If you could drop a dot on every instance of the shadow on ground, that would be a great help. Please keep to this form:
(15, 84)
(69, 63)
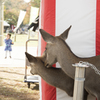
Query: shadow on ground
(12, 86)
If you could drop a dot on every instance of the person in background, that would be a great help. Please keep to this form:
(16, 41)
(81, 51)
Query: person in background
(8, 43)
(35, 24)
(7, 31)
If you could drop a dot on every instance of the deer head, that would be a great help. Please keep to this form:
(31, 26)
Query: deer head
(58, 50)
(35, 62)
(51, 75)
(53, 45)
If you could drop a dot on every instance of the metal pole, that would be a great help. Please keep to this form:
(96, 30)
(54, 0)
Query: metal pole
(1, 21)
(28, 34)
(15, 36)
(79, 81)
(25, 77)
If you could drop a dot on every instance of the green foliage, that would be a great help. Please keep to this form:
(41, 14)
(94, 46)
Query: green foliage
(36, 3)
(11, 17)
(13, 7)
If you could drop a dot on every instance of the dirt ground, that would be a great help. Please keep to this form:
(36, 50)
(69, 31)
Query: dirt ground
(12, 86)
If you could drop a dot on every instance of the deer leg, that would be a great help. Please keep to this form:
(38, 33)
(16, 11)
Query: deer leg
(85, 95)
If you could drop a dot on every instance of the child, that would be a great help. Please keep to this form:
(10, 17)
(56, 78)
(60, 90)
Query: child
(8, 43)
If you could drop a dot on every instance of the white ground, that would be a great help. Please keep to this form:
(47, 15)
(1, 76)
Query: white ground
(18, 56)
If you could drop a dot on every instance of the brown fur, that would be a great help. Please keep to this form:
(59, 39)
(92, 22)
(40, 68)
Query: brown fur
(53, 76)
(58, 51)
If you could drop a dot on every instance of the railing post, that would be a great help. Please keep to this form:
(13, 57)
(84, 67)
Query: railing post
(79, 81)
(1, 21)
(25, 77)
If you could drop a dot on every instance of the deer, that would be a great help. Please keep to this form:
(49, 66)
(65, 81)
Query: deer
(53, 76)
(57, 50)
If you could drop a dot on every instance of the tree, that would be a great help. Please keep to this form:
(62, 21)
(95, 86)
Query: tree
(11, 17)
(36, 3)
(13, 7)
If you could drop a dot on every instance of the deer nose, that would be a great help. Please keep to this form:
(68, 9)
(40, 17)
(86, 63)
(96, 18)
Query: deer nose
(47, 65)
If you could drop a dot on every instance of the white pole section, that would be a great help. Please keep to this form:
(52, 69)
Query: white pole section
(79, 81)
(1, 22)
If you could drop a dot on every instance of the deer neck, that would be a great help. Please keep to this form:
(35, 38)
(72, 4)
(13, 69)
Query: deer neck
(48, 74)
(66, 58)
(44, 72)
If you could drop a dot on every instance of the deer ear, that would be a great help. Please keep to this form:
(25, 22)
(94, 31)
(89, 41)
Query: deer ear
(30, 58)
(64, 35)
(47, 37)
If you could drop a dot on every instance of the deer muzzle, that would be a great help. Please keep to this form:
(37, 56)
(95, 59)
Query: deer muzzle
(47, 65)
